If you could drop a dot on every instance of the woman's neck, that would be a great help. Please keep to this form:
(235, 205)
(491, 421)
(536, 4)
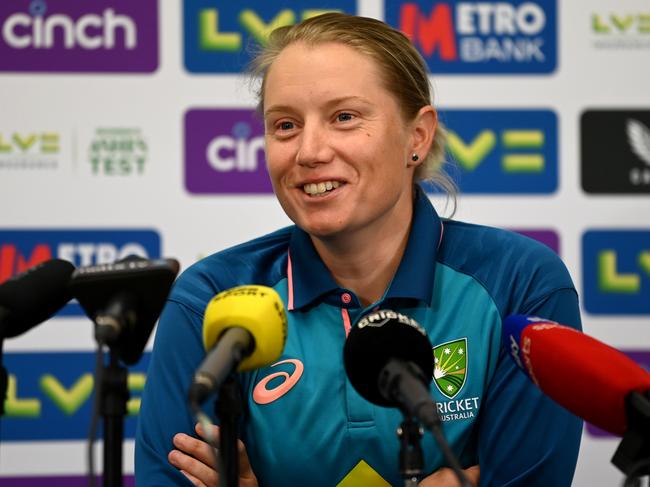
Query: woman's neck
(366, 261)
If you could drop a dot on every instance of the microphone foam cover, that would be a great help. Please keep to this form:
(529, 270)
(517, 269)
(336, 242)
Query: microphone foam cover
(34, 296)
(585, 376)
(257, 309)
(377, 338)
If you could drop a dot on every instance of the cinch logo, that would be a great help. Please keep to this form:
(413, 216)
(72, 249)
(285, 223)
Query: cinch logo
(66, 35)
(641, 357)
(29, 150)
(516, 36)
(218, 35)
(224, 152)
(616, 268)
(621, 30)
(50, 395)
(21, 249)
(503, 151)
(615, 151)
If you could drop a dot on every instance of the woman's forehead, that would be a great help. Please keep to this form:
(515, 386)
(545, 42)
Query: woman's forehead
(323, 68)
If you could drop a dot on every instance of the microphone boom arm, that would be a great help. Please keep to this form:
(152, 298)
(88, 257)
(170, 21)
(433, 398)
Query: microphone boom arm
(398, 376)
(232, 347)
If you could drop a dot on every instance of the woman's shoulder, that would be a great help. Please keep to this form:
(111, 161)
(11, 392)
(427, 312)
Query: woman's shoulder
(509, 265)
(486, 240)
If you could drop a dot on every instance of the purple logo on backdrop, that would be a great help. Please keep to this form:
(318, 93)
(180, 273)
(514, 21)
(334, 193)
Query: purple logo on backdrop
(78, 36)
(641, 357)
(548, 237)
(52, 481)
(224, 152)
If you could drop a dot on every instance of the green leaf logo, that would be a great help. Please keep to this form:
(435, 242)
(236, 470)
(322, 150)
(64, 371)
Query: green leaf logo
(450, 366)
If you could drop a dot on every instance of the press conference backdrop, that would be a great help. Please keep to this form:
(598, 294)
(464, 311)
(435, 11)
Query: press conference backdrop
(127, 128)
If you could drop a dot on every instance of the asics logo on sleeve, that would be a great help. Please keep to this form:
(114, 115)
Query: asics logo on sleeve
(263, 395)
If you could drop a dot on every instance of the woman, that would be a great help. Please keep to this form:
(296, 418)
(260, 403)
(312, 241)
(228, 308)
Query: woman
(350, 130)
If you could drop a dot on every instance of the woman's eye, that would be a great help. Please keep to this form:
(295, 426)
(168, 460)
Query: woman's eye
(285, 125)
(344, 117)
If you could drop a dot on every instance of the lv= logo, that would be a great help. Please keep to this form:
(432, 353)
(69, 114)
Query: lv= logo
(610, 280)
(472, 153)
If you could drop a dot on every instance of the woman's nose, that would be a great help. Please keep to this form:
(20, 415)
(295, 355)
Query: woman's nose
(314, 147)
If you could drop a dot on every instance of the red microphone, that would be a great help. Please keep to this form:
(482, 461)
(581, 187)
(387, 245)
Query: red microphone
(582, 374)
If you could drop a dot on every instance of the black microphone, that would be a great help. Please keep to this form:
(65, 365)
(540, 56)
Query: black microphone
(124, 299)
(389, 361)
(29, 298)
(33, 296)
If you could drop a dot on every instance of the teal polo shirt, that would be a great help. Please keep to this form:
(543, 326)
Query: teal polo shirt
(304, 424)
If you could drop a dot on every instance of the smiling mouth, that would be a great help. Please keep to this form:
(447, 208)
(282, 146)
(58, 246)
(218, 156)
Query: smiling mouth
(321, 189)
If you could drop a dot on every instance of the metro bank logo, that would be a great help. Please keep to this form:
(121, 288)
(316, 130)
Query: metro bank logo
(224, 152)
(218, 36)
(503, 151)
(479, 37)
(21, 249)
(78, 36)
(616, 271)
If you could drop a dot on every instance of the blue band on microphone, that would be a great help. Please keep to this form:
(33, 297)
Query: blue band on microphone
(513, 326)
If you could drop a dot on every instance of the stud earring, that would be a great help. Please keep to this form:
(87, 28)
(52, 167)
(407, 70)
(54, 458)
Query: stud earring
(415, 157)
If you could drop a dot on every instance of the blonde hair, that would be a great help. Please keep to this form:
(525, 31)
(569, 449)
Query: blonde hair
(403, 70)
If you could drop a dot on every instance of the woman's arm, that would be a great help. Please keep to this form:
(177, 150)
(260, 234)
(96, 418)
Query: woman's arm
(164, 411)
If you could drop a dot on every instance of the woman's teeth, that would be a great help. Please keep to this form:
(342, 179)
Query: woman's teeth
(317, 189)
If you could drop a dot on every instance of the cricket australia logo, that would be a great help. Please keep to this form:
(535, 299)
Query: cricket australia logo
(450, 367)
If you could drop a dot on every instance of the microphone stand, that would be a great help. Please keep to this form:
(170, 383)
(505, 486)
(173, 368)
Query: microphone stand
(114, 396)
(632, 457)
(411, 457)
(114, 391)
(228, 408)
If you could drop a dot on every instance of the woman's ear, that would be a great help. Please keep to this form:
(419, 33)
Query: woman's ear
(423, 130)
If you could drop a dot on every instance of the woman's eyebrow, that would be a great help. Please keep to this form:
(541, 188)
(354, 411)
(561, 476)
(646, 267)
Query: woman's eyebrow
(343, 99)
(329, 103)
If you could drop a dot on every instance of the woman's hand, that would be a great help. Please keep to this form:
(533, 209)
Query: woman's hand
(445, 477)
(195, 460)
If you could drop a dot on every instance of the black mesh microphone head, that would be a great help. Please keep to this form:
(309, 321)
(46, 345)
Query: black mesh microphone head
(377, 338)
(31, 297)
(142, 284)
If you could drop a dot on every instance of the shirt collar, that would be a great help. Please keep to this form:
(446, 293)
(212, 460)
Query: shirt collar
(310, 280)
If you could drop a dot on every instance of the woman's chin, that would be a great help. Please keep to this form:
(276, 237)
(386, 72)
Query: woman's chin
(323, 229)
